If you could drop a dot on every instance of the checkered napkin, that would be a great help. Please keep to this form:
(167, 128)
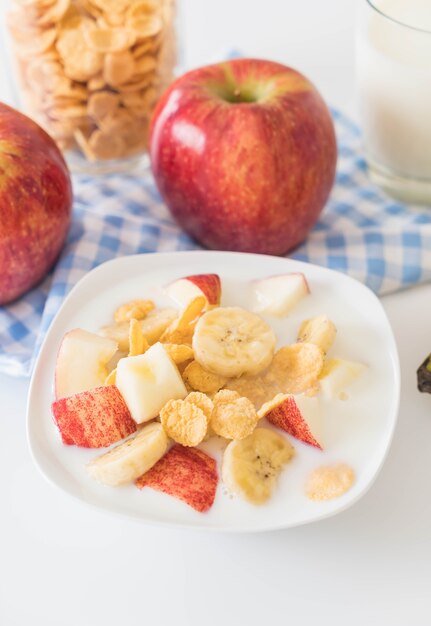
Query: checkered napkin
(361, 232)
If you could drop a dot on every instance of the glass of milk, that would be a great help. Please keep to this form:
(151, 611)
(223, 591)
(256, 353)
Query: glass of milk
(394, 85)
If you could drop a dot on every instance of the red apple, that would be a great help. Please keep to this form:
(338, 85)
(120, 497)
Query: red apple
(184, 473)
(35, 203)
(82, 362)
(278, 295)
(93, 419)
(299, 416)
(244, 155)
(184, 290)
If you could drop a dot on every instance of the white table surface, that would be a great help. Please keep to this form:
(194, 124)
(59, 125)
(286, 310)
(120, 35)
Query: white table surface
(63, 564)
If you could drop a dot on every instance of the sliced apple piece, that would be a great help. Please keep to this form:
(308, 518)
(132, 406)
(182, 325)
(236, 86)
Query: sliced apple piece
(93, 419)
(186, 289)
(82, 362)
(152, 327)
(336, 376)
(148, 381)
(184, 473)
(278, 295)
(298, 415)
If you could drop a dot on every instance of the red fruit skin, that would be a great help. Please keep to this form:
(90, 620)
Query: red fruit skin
(246, 176)
(184, 473)
(289, 418)
(209, 284)
(35, 203)
(93, 419)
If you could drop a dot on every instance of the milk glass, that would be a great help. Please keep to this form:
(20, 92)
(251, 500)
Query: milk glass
(394, 87)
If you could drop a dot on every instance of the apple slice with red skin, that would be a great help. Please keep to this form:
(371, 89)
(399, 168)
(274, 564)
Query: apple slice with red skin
(81, 362)
(244, 155)
(278, 295)
(93, 419)
(298, 416)
(184, 290)
(184, 473)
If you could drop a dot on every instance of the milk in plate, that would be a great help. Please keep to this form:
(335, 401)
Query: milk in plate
(394, 80)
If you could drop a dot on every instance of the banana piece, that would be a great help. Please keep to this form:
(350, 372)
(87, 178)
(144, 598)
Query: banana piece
(132, 458)
(318, 330)
(251, 466)
(231, 341)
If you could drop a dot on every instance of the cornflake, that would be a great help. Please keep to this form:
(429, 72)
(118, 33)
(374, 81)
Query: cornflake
(54, 13)
(179, 353)
(296, 368)
(143, 8)
(330, 481)
(138, 344)
(105, 146)
(111, 6)
(119, 68)
(258, 389)
(101, 104)
(181, 330)
(184, 421)
(200, 379)
(202, 402)
(145, 26)
(135, 309)
(233, 416)
(80, 63)
(109, 39)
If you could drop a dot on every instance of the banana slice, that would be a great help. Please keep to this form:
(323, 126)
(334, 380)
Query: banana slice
(132, 458)
(318, 330)
(251, 466)
(231, 341)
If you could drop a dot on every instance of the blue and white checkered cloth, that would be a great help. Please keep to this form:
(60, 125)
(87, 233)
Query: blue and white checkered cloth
(361, 232)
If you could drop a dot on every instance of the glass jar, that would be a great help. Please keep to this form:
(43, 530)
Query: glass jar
(91, 71)
(394, 89)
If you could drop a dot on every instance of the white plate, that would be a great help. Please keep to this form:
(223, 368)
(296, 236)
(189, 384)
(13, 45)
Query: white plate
(358, 430)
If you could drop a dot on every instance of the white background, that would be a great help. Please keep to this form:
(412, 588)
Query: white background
(62, 564)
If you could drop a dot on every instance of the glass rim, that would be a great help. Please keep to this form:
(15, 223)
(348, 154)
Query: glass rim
(371, 3)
